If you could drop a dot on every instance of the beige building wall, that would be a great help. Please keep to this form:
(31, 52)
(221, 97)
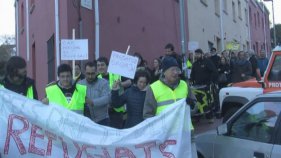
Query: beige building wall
(204, 22)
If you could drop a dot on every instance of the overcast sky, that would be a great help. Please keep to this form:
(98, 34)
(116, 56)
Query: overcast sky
(7, 15)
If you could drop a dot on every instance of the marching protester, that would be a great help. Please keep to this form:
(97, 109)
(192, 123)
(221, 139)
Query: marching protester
(156, 71)
(170, 51)
(115, 114)
(203, 75)
(65, 92)
(241, 68)
(16, 78)
(254, 63)
(166, 91)
(203, 70)
(78, 73)
(168, 84)
(262, 62)
(224, 71)
(98, 95)
(214, 57)
(133, 97)
(142, 63)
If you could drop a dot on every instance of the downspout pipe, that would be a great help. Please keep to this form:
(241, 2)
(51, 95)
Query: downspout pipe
(17, 26)
(97, 30)
(27, 30)
(221, 25)
(57, 34)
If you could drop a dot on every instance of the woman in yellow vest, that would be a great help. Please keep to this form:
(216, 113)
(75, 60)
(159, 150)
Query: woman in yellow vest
(65, 93)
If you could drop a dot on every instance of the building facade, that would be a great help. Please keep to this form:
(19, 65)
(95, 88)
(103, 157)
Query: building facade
(147, 26)
(260, 27)
(217, 23)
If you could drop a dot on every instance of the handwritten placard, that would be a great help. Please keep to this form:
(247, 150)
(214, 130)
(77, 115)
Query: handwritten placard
(74, 49)
(122, 64)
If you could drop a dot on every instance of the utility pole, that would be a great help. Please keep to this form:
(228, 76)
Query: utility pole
(182, 27)
(274, 31)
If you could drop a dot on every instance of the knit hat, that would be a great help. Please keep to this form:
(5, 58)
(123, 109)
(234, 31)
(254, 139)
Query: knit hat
(168, 62)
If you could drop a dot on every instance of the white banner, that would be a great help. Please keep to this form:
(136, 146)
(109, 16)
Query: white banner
(122, 64)
(74, 49)
(30, 129)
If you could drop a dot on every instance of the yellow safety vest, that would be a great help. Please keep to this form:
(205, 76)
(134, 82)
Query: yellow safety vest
(165, 96)
(29, 93)
(55, 95)
(189, 64)
(112, 79)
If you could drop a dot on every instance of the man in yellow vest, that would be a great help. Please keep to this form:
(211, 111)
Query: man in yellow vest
(16, 79)
(65, 92)
(167, 90)
(115, 114)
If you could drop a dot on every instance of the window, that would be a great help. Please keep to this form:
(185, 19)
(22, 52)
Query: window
(224, 6)
(275, 73)
(246, 17)
(51, 59)
(233, 12)
(22, 16)
(257, 123)
(33, 51)
(217, 7)
(258, 17)
(239, 10)
(210, 45)
(204, 2)
(32, 6)
(255, 19)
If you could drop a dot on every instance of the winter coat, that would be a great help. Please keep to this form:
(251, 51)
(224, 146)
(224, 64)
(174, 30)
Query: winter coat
(241, 67)
(133, 97)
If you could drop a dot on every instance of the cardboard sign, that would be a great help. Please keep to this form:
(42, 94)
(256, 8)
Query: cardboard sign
(32, 129)
(74, 49)
(233, 46)
(122, 64)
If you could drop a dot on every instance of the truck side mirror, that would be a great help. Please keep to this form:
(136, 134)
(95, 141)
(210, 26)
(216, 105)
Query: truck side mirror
(222, 129)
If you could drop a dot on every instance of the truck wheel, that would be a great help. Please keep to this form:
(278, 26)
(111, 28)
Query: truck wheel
(229, 113)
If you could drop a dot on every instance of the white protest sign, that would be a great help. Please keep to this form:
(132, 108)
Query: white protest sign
(74, 49)
(122, 64)
(31, 129)
(193, 45)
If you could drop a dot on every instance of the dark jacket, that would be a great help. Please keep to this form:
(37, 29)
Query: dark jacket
(21, 89)
(262, 64)
(203, 72)
(241, 67)
(216, 60)
(133, 97)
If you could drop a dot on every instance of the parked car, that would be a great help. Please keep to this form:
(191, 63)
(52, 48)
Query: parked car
(254, 131)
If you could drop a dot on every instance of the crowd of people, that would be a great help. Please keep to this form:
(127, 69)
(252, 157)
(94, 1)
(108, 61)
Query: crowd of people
(112, 100)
